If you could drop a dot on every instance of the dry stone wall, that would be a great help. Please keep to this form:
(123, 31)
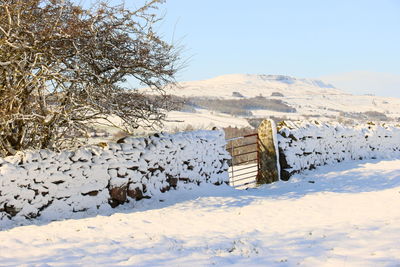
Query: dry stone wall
(56, 185)
(305, 145)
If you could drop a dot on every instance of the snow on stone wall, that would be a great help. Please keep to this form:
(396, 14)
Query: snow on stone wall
(56, 185)
(305, 145)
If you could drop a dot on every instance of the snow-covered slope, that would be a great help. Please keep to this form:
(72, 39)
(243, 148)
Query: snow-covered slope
(202, 119)
(309, 97)
(250, 85)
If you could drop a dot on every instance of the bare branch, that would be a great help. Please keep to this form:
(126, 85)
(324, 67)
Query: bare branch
(61, 70)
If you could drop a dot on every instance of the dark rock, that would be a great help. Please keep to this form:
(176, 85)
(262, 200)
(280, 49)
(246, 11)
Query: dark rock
(45, 206)
(91, 193)
(190, 168)
(173, 182)
(291, 136)
(80, 210)
(117, 195)
(135, 193)
(11, 210)
(152, 170)
(32, 215)
(113, 203)
(121, 140)
(186, 180)
(165, 189)
(285, 175)
(58, 182)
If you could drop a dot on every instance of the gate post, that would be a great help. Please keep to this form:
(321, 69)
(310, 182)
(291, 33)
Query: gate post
(268, 160)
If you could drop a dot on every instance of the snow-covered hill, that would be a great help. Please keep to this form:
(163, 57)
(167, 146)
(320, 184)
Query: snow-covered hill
(309, 97)
(250, 85)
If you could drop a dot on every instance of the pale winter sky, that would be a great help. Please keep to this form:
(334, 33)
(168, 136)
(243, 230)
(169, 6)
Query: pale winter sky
(353, 43)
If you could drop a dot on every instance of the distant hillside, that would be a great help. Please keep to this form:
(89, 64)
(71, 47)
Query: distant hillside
(283, 97)
(249, 85)
(243, 100)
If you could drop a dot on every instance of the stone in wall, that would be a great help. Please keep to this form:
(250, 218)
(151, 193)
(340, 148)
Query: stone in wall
(268, 171)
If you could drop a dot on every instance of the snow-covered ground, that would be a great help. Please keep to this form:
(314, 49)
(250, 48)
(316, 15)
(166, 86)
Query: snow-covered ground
(344, 215)
(202, 119)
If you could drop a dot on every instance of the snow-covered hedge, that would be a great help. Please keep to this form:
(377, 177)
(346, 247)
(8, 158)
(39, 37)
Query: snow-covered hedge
(55, 185)
(305, 145)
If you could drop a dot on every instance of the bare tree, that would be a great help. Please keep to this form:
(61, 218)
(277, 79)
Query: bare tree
(63, 68)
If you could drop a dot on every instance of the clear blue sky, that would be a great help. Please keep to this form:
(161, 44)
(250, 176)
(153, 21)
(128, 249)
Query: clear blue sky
(307, 38)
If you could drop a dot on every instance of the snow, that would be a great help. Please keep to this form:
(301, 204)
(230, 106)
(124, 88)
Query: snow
(341, 215)
(309, 97)
(202, 119)
(308, 144)
(87, 180)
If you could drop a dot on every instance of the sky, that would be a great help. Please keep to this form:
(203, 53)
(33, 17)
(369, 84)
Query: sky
(307, 39)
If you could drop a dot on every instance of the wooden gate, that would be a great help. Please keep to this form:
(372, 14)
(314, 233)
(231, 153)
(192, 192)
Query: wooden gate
(245, 163)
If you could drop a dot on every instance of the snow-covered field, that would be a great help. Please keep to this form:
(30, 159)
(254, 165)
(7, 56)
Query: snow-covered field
(202, 119)
(344, 215)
